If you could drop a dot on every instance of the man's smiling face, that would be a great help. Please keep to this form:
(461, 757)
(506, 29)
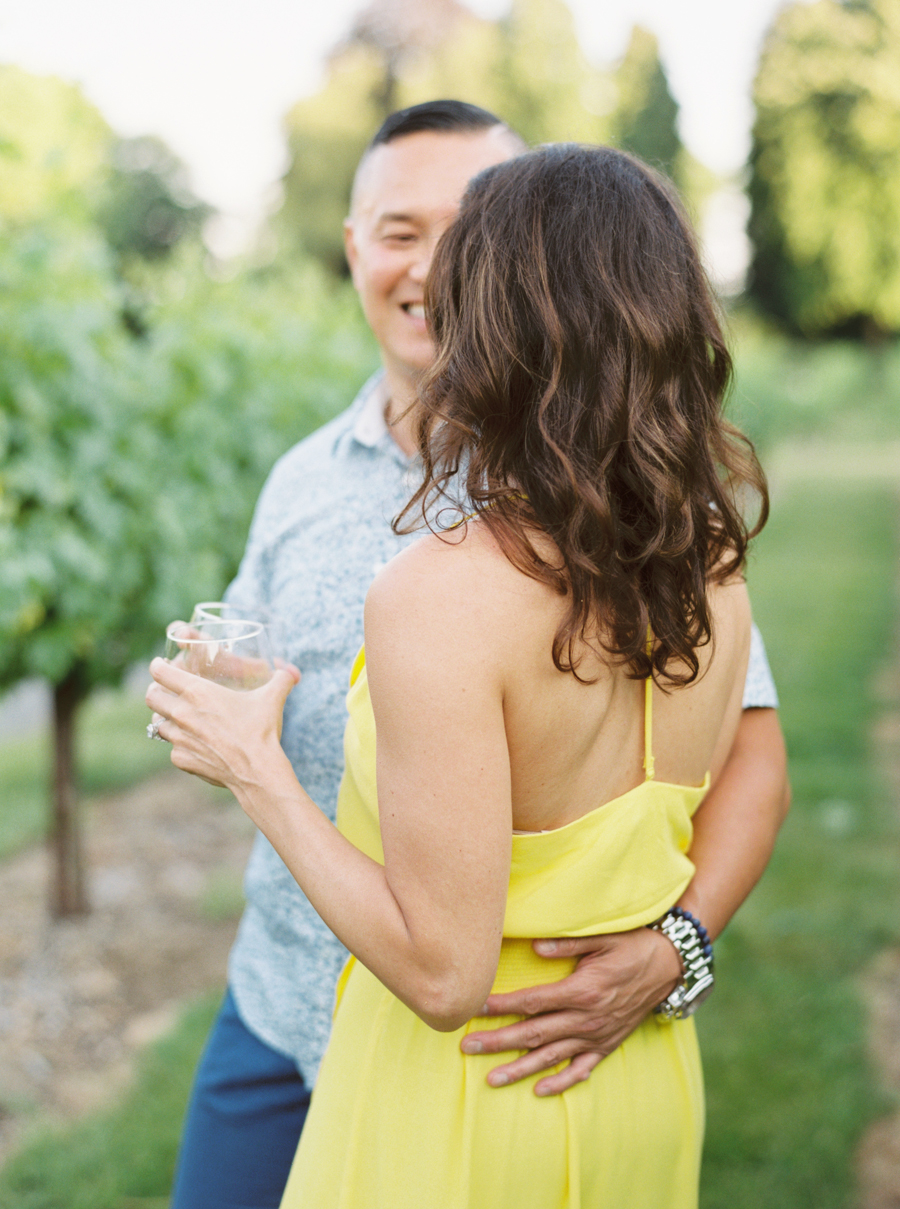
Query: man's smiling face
(407, 193)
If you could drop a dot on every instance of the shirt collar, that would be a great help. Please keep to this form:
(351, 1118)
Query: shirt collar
(370, 427)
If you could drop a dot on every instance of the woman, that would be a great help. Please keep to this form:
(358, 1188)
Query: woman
(554, 674)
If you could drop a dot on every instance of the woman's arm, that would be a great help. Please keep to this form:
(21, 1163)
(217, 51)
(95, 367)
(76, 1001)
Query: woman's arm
(622, 977)
(429, 922)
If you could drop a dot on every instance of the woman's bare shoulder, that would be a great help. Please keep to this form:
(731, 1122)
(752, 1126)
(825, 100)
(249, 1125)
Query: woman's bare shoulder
(467, 564)
(455, 588)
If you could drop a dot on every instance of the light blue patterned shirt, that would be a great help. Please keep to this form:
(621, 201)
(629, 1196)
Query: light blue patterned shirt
(320, 533)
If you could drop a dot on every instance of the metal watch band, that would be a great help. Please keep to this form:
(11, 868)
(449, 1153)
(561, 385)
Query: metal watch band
(694, 947)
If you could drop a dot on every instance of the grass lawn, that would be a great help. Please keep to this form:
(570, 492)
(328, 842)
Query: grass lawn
(792, 389)
(789, 1090)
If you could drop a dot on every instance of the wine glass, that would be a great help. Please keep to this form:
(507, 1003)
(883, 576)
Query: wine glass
(220, 610)
(233, 653)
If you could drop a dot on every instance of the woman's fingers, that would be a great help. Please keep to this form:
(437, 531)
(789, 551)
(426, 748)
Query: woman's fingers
(155, 697)
(283, 681)
(214, 729)
(175, 679)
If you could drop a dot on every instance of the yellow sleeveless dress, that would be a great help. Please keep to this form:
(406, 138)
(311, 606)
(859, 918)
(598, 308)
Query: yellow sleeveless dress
(401, 1119)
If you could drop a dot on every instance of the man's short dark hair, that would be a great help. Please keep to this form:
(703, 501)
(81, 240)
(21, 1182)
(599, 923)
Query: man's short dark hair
(442, 116)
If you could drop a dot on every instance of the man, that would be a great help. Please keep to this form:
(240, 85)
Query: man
(320, 532)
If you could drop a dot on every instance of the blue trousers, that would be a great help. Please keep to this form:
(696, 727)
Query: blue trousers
(243, 1122)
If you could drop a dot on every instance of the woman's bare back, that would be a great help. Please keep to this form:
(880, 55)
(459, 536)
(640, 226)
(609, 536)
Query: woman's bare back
(575, 744)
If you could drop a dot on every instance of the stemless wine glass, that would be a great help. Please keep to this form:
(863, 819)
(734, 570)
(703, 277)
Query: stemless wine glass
(220, 610)
(233, 653)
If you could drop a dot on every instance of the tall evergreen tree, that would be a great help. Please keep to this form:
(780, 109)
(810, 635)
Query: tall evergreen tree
(645, 121)
(825, 169)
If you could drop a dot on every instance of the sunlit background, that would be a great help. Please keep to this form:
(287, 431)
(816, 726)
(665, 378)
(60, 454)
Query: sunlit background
(175, 313)
(215, 79)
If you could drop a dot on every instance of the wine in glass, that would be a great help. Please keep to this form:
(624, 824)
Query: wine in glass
(234, 653)
(220, 610)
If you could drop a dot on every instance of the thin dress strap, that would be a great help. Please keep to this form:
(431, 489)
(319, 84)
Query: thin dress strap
(649, 763)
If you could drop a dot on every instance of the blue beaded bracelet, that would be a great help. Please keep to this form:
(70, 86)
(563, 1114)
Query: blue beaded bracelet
(701, 931)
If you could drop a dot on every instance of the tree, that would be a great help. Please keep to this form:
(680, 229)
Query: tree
(825, 170)
(544, 86)
(130, 468)
(398, 32)
(61, 159)
(146, 207)
(54, 146)
(394, 54)
(71, 499)
(527, 67)
(645, 118)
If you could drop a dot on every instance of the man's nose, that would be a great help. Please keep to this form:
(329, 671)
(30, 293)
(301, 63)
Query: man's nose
(418, 269)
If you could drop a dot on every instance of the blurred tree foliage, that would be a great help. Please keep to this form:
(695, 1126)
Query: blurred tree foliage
(60, 158)
(130, 468)
(146, 207)
(54, 146)
(825, 164)
(527, 67)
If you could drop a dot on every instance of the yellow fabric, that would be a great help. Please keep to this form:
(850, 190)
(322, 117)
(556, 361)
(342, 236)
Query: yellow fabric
(401, 1119)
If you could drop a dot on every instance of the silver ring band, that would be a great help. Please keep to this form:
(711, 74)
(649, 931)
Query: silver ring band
(153, 731)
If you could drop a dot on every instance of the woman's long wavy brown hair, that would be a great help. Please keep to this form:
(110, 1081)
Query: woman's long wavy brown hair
(578, 390)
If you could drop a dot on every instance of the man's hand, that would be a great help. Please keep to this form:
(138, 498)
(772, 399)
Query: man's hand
(584, 1017)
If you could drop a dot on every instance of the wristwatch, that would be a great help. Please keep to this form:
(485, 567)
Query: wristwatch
(694, 947)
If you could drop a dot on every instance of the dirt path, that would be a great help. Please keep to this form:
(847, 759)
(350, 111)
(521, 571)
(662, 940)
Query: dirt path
(79, 998)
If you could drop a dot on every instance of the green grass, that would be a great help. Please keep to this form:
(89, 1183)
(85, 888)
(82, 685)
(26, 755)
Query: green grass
(783, 1038)
(124, 1157)
(113, 753)
(789, 389)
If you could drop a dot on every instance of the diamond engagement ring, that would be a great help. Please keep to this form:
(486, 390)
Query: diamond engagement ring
(153, 731)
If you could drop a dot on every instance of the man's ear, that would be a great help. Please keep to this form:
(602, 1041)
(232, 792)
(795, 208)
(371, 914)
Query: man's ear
(350, 248)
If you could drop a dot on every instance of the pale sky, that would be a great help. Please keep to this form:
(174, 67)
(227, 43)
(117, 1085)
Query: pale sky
(214, 78)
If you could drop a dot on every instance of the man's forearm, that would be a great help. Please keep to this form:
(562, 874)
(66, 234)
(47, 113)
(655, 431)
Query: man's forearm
(737, 824)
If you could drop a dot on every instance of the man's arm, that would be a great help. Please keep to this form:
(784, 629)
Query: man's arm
(622, 977)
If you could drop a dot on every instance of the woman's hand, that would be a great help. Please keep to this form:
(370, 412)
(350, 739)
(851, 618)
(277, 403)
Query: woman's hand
(224, 736)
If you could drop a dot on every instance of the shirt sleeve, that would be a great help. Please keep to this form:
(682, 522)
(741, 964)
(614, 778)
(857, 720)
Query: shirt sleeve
(759, 687)
(249, 588)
